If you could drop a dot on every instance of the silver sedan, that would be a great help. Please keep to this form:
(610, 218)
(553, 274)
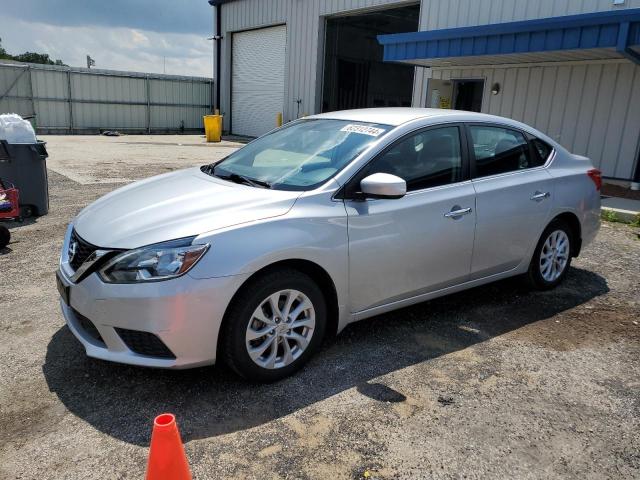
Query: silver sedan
(329, 220)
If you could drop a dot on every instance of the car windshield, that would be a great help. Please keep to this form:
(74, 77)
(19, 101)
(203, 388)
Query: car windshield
(300, 156)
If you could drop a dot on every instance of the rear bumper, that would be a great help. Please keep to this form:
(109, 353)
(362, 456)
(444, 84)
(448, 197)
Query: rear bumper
(184, 315)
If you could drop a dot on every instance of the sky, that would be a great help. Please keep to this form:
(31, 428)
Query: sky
(138, 35)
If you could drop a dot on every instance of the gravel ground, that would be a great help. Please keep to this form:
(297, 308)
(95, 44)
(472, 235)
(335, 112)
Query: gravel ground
(496, 382)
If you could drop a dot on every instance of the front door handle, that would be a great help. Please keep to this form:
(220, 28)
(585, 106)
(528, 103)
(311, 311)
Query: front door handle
(538, 196)
(457, 212)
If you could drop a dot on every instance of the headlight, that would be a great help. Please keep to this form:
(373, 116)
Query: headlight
(154, 263)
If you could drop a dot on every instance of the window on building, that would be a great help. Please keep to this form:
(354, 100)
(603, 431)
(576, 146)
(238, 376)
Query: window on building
(427, 159)
(499, 150)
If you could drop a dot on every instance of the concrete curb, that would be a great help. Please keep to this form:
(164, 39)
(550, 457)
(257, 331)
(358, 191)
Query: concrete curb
(620, 215)
(624, 210)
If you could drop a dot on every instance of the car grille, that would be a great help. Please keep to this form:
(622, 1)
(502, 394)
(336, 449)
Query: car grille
(144, 343)
(88, 327)
(83, 250)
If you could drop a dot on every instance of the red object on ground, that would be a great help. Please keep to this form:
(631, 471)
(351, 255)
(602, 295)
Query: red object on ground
(13, 196)
(596, 176)
(167, 460)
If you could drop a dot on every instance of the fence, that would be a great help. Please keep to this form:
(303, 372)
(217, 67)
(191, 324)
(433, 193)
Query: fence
(79, 100)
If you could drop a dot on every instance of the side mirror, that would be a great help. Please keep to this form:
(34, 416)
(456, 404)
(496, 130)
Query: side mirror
(383, 185)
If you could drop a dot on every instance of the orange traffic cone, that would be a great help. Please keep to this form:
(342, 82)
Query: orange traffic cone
(167, 460)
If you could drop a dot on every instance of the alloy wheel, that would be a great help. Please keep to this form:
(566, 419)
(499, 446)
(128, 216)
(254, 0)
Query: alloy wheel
(280, 329)
(554, 255)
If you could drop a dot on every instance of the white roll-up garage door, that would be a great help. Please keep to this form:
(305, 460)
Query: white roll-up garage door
(257, 80)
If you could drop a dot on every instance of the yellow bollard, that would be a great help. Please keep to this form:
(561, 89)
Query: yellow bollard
(279, 119)
(213, 127)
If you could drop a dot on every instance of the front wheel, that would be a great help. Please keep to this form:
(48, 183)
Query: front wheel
(552, 256)
(274, 325)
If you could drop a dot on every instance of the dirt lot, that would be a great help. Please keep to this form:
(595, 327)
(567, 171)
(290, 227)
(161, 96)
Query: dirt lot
(497, 382)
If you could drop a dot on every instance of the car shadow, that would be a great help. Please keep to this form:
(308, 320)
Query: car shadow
(121, 401)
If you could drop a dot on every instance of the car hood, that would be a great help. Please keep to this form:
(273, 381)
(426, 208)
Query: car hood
(176, 205)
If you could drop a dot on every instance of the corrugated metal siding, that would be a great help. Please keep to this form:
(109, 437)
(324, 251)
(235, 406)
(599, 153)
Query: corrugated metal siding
(19, 78)
(103, 99)
(593, 109)
(437, 14)
(303, 66)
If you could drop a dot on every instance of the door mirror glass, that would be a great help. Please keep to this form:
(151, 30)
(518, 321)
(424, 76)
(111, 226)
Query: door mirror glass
(383, 185)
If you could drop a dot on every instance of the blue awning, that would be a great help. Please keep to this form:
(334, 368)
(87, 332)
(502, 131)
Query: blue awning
(590, 36)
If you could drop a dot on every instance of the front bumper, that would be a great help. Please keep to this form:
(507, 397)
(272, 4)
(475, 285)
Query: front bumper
(184, 314)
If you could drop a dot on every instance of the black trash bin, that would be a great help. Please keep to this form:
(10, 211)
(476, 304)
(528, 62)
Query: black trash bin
(25, 165)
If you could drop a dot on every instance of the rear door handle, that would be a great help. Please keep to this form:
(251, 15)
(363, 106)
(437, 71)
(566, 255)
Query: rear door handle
(538, 196)
(458, 212)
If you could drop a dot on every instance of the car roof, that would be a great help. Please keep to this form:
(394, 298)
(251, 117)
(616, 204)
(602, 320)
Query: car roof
(431, 116)
(398, 116)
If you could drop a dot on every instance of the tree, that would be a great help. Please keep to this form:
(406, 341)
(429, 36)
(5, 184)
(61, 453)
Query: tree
(3, 52)
(29, 57)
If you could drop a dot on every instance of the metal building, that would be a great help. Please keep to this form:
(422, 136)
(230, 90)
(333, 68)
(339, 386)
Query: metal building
(568, 67)
(81, 100)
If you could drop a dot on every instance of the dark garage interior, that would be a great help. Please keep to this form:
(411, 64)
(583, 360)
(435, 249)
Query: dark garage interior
(354, 74)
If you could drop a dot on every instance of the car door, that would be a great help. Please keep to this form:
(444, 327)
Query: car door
(513, 198)
(399, 248)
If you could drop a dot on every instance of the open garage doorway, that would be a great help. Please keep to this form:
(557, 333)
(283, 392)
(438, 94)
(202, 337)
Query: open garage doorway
(354, 74)
(459, 94)
(467, 95)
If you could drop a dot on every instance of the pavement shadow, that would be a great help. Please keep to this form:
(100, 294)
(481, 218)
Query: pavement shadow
(121, 401)
(26, 221)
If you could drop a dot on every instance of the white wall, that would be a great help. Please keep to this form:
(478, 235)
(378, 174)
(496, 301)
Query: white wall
(437, 14)
(591, 108)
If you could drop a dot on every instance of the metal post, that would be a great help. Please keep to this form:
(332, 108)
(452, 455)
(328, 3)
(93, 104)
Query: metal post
(635, 179)
(70, 100)
(148, 105)
(218, 63)
(33, 103)
(211, 96)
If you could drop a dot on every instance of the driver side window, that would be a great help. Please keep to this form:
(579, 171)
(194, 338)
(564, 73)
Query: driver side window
(426, 159)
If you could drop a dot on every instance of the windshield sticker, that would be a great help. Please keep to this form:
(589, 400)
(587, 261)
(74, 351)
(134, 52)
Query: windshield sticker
(362, 129)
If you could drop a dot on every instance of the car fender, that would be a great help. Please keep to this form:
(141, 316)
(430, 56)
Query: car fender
(314, 230)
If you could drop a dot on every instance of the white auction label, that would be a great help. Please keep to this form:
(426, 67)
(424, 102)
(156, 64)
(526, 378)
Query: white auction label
(362, 129)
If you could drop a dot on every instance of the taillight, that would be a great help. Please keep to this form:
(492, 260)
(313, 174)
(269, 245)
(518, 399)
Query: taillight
(596, 176)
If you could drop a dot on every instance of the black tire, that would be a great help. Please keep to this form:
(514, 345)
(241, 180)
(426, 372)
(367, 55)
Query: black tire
(26, 211)
(234, 326)
(5, 236)
(534, 276)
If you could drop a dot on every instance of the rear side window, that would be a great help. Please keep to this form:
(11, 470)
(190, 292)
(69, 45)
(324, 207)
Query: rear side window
(541, 150)
(499, 150)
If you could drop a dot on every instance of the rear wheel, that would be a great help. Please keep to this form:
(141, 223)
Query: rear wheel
(274, 325)
(552, 256)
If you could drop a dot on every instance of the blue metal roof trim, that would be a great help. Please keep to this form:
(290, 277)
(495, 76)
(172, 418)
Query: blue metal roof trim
(619, 30)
